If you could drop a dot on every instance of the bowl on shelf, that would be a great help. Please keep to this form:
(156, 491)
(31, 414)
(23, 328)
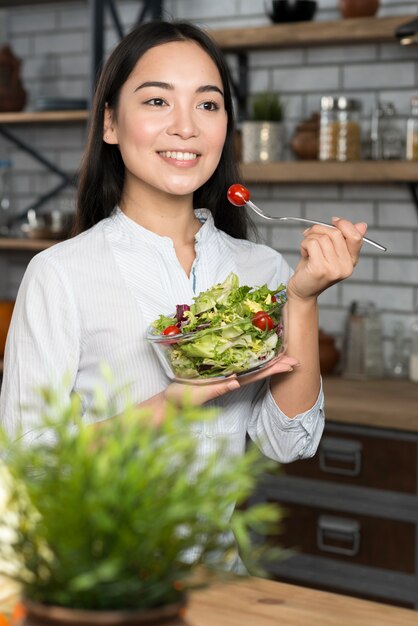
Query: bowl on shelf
(212, 354)
(55, 225)
(288, 11)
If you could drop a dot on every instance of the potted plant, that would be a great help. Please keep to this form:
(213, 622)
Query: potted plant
(110, 524)
(262, 133)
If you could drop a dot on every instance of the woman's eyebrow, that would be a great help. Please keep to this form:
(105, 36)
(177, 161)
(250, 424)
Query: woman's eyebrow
(162, 85)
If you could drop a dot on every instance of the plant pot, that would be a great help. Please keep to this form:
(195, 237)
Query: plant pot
(358, 8)
(38, 614)
(262, 141)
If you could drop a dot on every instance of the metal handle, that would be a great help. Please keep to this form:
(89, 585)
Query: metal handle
(333, 450)
(341, 530)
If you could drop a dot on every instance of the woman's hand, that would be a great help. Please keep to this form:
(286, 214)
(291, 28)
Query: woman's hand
(328, 255)
(199, 394)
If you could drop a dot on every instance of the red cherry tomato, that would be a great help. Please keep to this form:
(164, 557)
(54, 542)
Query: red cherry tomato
(263, 321)
(273, 299)
(238, 195)
(170, 331)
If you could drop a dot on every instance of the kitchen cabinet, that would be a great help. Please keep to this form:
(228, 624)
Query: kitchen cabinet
(351, 512)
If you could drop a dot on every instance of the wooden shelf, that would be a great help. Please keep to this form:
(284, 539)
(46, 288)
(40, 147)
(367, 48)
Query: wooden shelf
(29, 117)
(1, 366)
(329, 172)
(32, 245)
(344, 31)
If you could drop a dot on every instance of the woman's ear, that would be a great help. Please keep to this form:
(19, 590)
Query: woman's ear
(109, 132)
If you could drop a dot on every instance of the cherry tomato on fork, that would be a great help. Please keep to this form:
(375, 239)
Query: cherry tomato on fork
(238, 194)
(263, 321)
(170, 331)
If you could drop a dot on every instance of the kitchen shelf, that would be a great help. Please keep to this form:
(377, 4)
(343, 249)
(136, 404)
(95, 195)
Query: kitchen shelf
(31, 245)
(39, 117)
(343, 31)
(330, 172)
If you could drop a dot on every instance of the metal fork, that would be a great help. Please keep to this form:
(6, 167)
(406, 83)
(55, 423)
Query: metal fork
(259, 212)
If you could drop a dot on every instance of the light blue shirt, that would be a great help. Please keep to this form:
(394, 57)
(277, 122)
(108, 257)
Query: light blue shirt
(89, 300)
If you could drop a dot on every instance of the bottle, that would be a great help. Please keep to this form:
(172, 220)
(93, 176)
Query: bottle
(413, 357)
(5, 196)
(412, 132)
(398, 363)
(390, 135)
(363, 346)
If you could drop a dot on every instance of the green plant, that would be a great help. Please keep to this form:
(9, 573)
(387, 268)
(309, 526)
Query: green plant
(104, 518)
(267, 107)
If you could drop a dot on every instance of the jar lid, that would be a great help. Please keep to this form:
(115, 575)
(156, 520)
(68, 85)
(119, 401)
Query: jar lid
(328, 103)
(348, 104)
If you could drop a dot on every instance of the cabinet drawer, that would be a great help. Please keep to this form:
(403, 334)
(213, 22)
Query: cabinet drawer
(362, 460)
(352, 538)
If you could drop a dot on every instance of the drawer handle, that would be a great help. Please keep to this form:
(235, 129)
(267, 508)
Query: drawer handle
(338, 529)
(333, 450)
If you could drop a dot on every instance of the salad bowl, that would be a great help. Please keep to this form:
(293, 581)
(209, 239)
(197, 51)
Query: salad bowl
(228, 330)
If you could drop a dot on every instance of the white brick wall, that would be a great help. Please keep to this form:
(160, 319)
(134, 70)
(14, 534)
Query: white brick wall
(53, 41)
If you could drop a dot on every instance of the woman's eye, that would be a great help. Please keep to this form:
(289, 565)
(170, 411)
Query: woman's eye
(209, 106)
(156, 102)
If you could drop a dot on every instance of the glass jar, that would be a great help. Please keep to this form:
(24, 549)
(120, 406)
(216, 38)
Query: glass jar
(328, 129)
(348, 112)
(339, 136)
(412, 132)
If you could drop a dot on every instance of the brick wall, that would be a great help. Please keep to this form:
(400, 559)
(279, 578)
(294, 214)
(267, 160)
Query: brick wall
(53, 43)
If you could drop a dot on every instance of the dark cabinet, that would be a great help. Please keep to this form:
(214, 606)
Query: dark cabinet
(351, 512)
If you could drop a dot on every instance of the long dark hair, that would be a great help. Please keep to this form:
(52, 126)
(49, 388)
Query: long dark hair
(102, 170)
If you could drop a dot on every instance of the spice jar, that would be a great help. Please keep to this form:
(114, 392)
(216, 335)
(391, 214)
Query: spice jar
(348, 147)
(412, 132)
(339, 137)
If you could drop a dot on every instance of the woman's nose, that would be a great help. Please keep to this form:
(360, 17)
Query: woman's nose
(182, 123)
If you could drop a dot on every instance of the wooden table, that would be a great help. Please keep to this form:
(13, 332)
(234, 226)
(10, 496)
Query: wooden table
(256, 602)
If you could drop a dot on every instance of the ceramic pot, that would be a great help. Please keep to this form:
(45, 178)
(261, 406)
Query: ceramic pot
(38, 614)
(328, 353)
(12, 94)
(262, 141)
(305, 141)
(358, 8)
(6, 310)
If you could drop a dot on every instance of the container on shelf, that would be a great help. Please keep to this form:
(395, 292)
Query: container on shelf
(412, 132)
(413, 357)
(385, 137)
(363, 344)
(340, 134)
(5, 196)
(358, 8)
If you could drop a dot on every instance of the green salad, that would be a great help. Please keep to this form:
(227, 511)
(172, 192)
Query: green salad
(228, 329)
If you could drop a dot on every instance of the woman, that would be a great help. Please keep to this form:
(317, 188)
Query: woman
(160, 147)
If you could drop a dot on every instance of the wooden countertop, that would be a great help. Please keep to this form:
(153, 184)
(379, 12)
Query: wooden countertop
(382, 403)
(256, 602)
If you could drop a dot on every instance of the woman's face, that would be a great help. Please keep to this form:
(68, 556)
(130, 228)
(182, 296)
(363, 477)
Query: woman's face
(170, 121)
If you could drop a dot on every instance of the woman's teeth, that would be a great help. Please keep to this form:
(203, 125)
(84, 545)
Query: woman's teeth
(179, 156)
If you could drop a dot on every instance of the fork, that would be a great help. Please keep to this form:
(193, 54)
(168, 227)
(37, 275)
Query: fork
(240, 196)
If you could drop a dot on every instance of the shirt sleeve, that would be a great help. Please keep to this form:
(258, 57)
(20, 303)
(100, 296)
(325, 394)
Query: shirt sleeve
(279, 437)
(42, 348)
(282, 438)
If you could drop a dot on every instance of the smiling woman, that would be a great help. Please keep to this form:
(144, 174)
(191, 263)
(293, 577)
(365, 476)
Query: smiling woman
(155, 229)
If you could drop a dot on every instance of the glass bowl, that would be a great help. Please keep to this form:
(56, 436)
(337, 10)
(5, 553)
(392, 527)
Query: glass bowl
(213, 354)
